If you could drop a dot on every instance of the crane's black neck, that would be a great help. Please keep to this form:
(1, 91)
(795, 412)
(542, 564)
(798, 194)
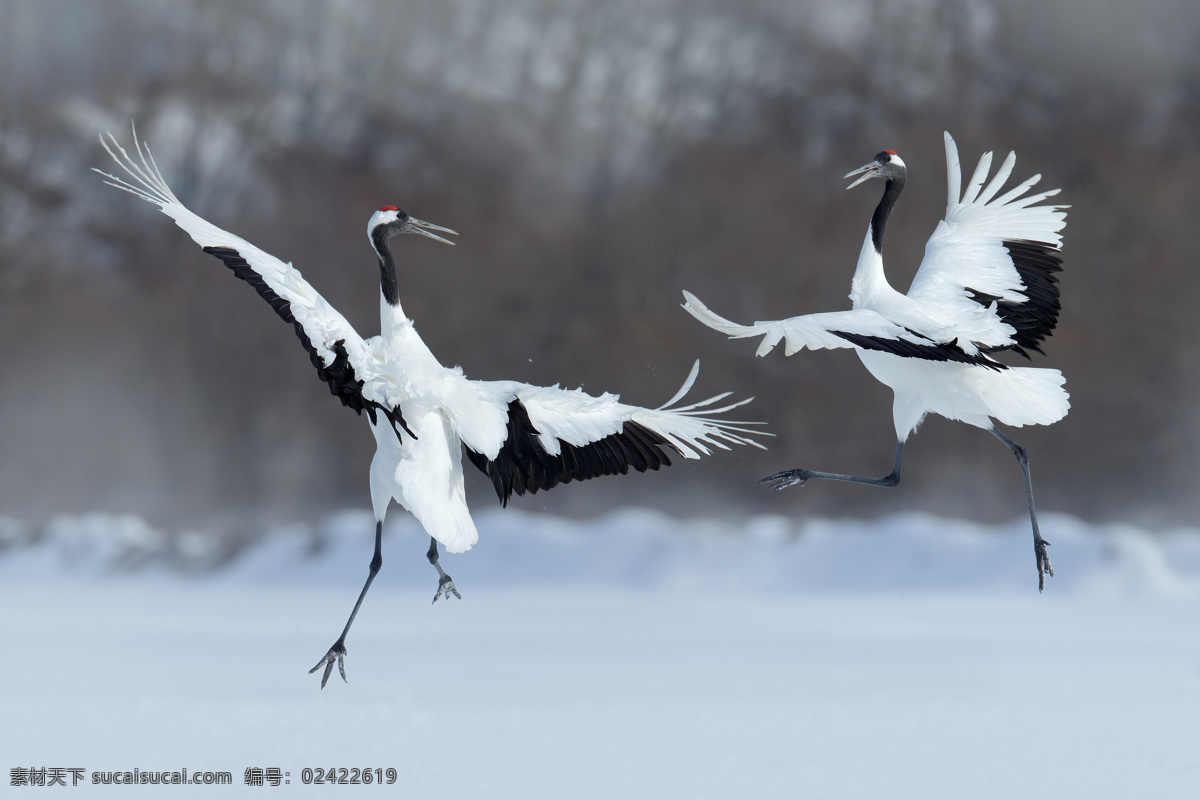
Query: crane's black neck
(895, 185)
(387, 266)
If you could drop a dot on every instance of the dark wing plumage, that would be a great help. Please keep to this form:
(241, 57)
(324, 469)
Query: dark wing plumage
(934, 351)
(1035, 318)
(523, 465)
(339, 374)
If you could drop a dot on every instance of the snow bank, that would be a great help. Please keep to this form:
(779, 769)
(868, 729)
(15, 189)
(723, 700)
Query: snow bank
(642, 549)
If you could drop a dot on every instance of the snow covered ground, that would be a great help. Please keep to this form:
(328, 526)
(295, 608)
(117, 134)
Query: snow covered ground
(630, 656)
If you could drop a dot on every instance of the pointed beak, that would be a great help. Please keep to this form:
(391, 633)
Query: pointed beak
(426, 228)
(867, 171)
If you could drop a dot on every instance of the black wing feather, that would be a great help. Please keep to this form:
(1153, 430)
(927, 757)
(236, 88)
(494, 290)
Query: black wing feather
(343, 384)
(1036, 318)
(946, 351)
(523, 465)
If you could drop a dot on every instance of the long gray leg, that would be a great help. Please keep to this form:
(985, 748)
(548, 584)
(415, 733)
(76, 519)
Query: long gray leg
(792, 477)
(446, 584)
(1039, 544)
(338, 651)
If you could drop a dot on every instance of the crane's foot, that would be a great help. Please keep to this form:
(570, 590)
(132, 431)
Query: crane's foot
(446, 588)
(1043, 561)
(782, 480)
(336, 653)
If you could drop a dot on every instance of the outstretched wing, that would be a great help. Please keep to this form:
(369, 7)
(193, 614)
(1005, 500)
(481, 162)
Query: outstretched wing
(859, 327)
(551, 435)
(990, 265)
(341, 357)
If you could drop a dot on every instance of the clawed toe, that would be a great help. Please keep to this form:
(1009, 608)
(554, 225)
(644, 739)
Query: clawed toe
(782, 480)
(446, 588)
(336, 653)
(1043, 562)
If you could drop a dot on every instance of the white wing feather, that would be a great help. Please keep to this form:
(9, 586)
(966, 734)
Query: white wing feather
(579, 419)
(812, 331)
(966, 250)
(322, 323)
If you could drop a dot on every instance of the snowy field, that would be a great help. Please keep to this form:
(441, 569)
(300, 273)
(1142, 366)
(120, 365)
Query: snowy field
(635, 656)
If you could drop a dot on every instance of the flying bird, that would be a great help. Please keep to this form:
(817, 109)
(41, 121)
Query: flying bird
(524, 438)
(987, 284)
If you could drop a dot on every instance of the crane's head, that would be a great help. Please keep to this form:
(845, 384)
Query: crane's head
(887, 165)
(389, 221)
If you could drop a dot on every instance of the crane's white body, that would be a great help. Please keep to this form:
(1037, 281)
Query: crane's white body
(1017, 396)
(965, 254)
(440, 405)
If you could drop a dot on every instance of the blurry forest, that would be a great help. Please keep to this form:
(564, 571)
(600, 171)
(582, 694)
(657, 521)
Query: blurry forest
(596, 157)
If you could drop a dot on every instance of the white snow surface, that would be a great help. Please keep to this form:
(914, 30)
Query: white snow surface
(630, 656)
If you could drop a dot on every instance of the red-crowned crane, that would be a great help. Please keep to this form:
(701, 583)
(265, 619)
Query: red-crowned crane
(422, 414)
(987, 284)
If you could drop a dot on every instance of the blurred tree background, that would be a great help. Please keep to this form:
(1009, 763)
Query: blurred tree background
(597, 158)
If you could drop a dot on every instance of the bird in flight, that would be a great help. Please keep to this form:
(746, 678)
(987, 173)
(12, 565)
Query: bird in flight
(987, 284)
(524, 438)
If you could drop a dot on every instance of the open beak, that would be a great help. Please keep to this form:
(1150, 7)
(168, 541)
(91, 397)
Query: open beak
(426, 228)
(867, 171)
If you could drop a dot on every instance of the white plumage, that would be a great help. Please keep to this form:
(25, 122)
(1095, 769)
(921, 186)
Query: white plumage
(986, 284)
(524, 437)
